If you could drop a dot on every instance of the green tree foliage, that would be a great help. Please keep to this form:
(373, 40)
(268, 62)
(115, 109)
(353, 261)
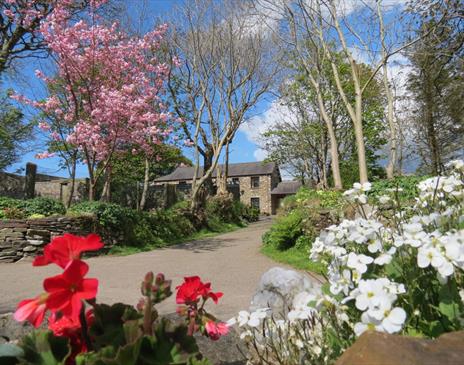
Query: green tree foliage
(301, 142)
(129, 171)
(436, 86)
(13, 132)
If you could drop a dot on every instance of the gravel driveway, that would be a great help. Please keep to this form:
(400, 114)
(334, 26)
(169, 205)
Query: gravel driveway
(231, 262)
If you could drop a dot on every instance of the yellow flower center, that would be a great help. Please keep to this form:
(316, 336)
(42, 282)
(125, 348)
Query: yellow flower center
(370, 294)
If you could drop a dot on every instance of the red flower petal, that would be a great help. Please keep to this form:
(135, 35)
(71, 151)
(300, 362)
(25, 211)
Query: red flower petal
(32, 310)
(54, 283)
(89, 289)
(61, 250)
(75, 271)
(68, 289)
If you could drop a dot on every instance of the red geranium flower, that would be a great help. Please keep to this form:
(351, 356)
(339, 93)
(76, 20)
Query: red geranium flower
(32, 310)
(61, 250)
(192, 289)
(69, 289)
(70, 328)
(216, 330)
(63, 325)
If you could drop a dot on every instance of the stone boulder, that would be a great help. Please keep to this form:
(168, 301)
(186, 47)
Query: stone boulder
(278, 288)
(384, 349)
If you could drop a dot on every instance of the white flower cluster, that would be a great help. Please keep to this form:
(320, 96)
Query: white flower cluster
(361, 255)
(438, 191)
(375, 297)
(356, 249)
(358, 193)
(297, 335)
(444, 252)
(347, 267)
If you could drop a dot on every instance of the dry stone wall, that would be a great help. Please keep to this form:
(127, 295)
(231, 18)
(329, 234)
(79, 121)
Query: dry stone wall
(26, 238)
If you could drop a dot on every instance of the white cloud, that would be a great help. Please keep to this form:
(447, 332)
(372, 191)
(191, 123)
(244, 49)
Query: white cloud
(259, 124)
(350, 6)
(259, 154)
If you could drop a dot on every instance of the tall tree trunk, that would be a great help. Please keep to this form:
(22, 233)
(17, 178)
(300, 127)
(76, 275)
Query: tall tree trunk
(335, 164)
(73, 181)
(392, 156)
(222, 174)
(92, 184)
(146, 180)
(106, 193)
(358, 131)
(431, 134)
(207, 163)
(200, 191)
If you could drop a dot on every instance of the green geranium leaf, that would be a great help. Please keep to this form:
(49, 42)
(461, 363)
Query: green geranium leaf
(43, 348)
(10, 350)
(10, 354)
(195, 361)
(108, 326)
(168, 346)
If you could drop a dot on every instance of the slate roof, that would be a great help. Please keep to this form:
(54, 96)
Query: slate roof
(286, 188)
(235, 170)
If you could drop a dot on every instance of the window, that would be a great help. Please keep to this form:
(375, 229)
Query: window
(255, 203)
(236, 181)
(255, 182)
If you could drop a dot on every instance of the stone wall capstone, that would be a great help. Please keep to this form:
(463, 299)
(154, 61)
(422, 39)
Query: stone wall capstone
(26, 238)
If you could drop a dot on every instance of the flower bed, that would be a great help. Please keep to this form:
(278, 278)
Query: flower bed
(84, 332)
(395, 269)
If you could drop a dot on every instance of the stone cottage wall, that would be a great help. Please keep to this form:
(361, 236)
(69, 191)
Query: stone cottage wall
(14, 186)
(23, 238)
(263, 192)
(11, 185)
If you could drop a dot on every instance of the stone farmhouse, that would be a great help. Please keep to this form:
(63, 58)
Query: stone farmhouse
(258, 184)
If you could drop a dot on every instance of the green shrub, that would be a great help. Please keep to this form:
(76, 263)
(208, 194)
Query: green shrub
(13, 213)
(155, 229)
(408, 184)
(44, 206)
(302, 217)
(112, 216)
(222, 208)
(326, 199)
(172, 224)
(249, 213)
(6, 202)
(20, 209)
(304, 242)
(36, 216)
(285, 231)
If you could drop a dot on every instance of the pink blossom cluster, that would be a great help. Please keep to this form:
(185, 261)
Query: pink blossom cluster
(24, 13)
(109, 84)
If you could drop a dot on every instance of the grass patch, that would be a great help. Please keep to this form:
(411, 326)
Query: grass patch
(121, 250)
(295, 257)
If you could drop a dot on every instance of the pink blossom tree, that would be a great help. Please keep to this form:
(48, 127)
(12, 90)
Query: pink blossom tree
(19, 27)
(107, 90)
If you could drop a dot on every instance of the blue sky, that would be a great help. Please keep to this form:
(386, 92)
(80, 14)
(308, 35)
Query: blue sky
(244, 147)
(26, 83)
